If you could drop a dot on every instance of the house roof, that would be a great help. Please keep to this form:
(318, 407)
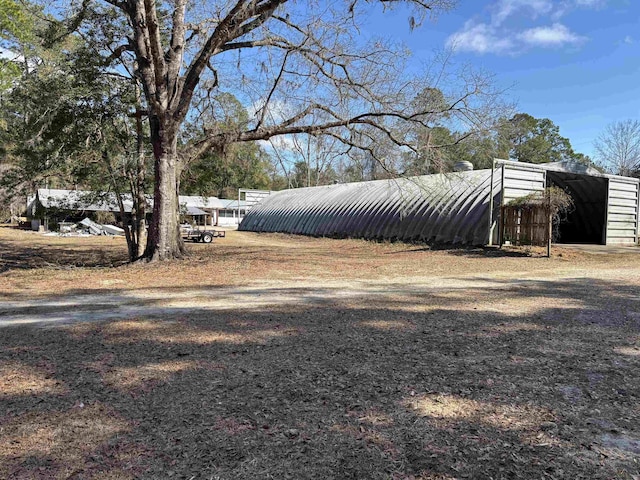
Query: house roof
(195, 211)
(82, 200)
(233, 204)
(200, 202)
(107, 202)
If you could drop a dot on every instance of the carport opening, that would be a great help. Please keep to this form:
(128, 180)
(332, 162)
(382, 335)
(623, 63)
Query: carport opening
(586, 223)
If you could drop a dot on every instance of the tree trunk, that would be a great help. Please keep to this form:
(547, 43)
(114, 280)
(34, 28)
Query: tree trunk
(129, 233)
(164, 241)
(132, 245)
(141, 226)
(139, 190)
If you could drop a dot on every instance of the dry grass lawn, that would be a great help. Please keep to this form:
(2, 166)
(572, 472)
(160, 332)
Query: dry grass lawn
(270, 356)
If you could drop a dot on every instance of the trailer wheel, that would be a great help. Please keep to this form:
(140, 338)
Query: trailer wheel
(207, 237)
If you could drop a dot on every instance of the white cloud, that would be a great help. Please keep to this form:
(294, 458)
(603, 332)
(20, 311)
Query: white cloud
(483, 38)
(590, 3)
(553, 36)
(564, 7)
(503, 9)
(479, 38)
(500, 36)
(628, 39)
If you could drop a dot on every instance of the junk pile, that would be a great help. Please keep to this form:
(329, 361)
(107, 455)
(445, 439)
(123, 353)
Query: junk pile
(86, 228)
(99, 229)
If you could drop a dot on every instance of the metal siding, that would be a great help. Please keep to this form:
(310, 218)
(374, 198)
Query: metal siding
(414, 225)
(312, 221)
(252, 197)
(622, 217)
(528, 185)
(380, 214)
(372, 201)
(399, 202)
(520, 181)
(622, 211)
(515, 193)
(320, 215)
(473, 213)
(460, 198)
(512, 172)
(333, 212)
(416, 219)
(343, 207)
(449, 208)
(624, 185)
(406, 207)
(437, 208)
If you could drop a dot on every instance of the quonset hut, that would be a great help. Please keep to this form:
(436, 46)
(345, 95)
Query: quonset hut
(455, 208)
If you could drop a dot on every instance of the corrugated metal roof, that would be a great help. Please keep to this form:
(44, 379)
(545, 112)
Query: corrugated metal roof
(565, 166)
(233, 204)
(81, 200)
(572, 166)
(448, 208)
(200, 202)
(107, 202)
(195, 211)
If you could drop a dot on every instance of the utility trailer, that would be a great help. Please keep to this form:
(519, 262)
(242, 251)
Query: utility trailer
(204, 236)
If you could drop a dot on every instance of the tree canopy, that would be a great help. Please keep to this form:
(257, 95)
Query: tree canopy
(536, 140)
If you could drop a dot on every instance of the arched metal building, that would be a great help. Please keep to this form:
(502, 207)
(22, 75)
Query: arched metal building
(453, 208)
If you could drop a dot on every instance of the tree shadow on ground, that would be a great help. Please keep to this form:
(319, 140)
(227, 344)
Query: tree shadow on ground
(409, 384)
(96, 252)
(16, 256)
(471, 251)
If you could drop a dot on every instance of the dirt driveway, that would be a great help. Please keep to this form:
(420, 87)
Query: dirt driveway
(268, 356)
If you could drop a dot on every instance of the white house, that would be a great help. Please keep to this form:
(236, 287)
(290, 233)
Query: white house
(232, 212)
(61, 205)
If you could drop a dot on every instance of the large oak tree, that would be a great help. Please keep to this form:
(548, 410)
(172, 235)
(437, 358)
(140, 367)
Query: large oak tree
(301, 67)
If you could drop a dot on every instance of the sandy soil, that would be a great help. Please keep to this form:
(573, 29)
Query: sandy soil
(271, 356)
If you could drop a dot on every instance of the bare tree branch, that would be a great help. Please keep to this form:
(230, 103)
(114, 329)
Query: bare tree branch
(618, 148)
(231, 27)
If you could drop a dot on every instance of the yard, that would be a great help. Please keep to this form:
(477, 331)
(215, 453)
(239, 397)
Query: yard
(271, 356)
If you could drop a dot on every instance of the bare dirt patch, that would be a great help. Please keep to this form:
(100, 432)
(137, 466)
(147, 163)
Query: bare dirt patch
(268, 356)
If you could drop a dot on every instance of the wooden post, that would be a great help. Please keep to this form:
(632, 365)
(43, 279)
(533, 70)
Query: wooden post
(549, 226)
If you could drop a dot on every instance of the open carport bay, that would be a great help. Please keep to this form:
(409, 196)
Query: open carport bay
(586, 222)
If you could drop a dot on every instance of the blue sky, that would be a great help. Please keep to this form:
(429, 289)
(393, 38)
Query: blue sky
(576, 62)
